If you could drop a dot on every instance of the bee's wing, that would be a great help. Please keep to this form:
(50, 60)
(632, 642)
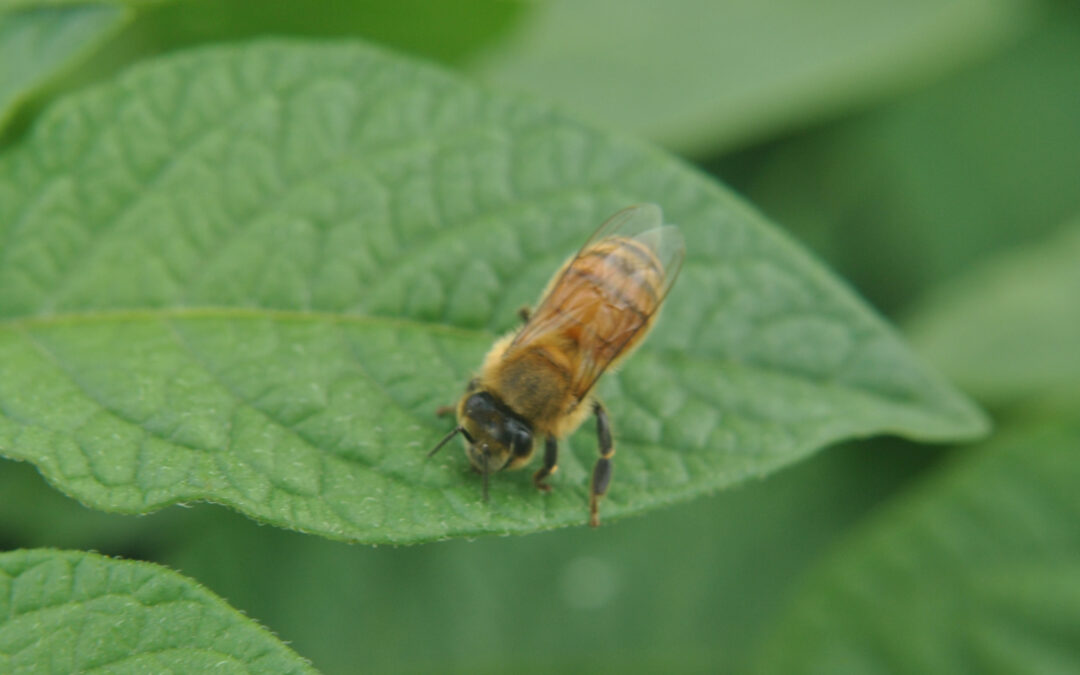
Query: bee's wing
(642, 223)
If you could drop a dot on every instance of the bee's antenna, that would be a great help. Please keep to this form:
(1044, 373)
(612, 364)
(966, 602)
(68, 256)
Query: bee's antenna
(453, 432)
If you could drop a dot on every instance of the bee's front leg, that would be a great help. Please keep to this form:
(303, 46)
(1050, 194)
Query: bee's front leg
(551, 463)
(601, 476)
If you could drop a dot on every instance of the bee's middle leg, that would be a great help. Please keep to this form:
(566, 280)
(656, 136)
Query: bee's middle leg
(601, 477)
(551, 463)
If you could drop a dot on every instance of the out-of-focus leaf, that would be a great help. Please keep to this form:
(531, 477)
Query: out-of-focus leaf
(700, 76)
(688, 589)
(978, 570)
(1010, 328)
(445, 31)
(910, 195)
(37, 41)
(250, 275)
(73, 612)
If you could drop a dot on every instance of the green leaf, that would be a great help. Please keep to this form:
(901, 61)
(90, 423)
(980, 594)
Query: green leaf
(976, 571)
(38, 42)
(74, 612)
(700, 77)
(1009, 329)
(251, 274)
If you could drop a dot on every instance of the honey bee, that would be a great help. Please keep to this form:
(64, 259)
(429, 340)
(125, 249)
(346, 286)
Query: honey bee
(537, 381)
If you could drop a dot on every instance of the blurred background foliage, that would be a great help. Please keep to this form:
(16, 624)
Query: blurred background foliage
(929, 151)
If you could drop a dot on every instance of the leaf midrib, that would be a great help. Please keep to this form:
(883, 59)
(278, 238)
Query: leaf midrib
(23, 323)
(211, 312)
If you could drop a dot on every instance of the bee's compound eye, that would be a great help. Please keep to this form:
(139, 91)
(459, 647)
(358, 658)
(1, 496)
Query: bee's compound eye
(479, 406)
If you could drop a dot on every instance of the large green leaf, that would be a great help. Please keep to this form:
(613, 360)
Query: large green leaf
(38, 42)
(1010, 328)
(701, 76)
(975, 572)
(251, 274)
(73, 612)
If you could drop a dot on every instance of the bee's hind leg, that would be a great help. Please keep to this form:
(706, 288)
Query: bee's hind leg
(551, 463)
(601, 476)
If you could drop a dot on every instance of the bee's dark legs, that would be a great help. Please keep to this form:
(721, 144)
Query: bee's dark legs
(551, 462)
(524, 312)
(601, 476)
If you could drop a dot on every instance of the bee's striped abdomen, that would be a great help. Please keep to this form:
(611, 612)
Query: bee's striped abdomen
(607, 298)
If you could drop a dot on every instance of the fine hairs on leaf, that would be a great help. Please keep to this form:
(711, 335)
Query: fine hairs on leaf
(251, 274)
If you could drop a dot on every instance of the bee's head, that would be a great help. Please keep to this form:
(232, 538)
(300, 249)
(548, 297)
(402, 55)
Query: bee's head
(495, 437)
